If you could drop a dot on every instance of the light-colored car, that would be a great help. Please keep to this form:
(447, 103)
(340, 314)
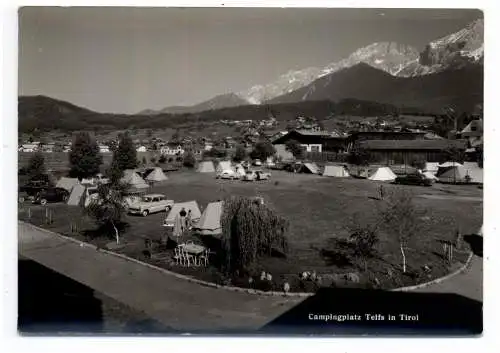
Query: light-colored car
(254, 175)
(257, 163)
(151, 203)
(227, 174)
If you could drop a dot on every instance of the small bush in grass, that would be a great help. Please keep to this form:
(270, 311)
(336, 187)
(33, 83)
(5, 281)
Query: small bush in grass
(189, 160)
(276, 183)
(363, 238)
(170, 159)
(162, 159)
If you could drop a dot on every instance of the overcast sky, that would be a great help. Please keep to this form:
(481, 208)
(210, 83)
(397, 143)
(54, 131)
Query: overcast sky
(126, 59)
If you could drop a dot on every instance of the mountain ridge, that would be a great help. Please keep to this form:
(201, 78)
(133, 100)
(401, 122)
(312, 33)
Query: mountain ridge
(461, 88)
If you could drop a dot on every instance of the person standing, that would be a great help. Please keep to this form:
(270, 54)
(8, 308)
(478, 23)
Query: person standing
(189, 220)
(183, 214)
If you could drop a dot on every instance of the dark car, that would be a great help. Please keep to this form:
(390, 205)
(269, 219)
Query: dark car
(51, 195)
(413, 179)
(33, 187)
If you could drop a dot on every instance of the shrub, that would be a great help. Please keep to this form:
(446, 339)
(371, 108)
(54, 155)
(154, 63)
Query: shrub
(363, 238)
(162, 159)
(189, 160)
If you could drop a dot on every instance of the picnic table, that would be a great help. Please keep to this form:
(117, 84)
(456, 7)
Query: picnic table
(193, 249)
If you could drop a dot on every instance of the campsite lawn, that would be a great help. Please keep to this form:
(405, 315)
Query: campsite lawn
(318, 209)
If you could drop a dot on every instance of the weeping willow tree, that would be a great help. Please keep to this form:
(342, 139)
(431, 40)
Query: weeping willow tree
(250, 229)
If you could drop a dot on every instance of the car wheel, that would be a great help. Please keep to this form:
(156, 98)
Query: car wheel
(145, 213)
(168, 208)
(43, 202)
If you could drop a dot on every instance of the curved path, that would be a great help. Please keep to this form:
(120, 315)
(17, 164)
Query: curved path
(174, 302)
(469, 283)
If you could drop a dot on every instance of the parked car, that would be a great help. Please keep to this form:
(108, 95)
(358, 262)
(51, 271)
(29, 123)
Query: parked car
(227, 174)
(32, 187)
(151, 203)
(413, 179)
(257, 163)
(254, 175)
(51, 195)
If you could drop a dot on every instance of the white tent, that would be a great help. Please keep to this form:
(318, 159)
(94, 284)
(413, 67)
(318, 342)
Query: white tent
(209, 223)
(206, 167)
(383, 174)
(82, 195)
(134, 180)
(309, 168)
(239, 170)
(77, 193)
(156, 175)
(67, 183)
(455, 174)
(224, 165)
(335, 171)
(176, 209)
(475, 173)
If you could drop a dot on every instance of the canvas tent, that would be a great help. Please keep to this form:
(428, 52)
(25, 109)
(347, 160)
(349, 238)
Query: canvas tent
(224, 165)
(206, 167)
(156, 176)
(475, 173)
(239, 170)
(209, 223)
(335, 171)
(309, 168)
(383, 174)
(176, 209)
(67, 183)
(82, 195)
(455, 174)
(77, 193)
(134, 180)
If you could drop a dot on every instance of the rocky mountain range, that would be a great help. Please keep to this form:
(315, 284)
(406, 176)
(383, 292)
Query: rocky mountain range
(451, 52)
(461, 88)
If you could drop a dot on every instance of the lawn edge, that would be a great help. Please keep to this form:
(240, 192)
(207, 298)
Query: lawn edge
(239, 289)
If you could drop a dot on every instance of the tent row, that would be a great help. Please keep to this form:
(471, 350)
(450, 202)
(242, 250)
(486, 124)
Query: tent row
(208, 167)
(80, 193)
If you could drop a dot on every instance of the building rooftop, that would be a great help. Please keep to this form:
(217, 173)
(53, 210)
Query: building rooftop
(411, 144)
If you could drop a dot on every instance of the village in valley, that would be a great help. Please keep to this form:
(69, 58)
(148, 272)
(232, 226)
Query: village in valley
(254, 214)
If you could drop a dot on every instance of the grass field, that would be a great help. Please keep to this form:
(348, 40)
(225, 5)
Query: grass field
(318, 209)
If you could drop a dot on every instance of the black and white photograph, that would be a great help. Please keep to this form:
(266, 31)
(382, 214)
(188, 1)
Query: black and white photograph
(250, 171)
